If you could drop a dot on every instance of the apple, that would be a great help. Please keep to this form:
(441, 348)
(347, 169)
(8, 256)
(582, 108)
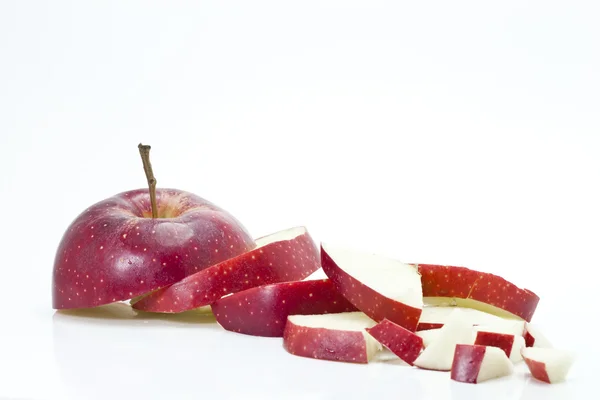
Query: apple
(380, 287)
(335, 337)
(510, 344)
(428, 335)
(547, 364)
(459, 286)
(534, 337)
(139, 241)
(400, 341)
(263, 310)
(475, 364)
(439, 353)
(288, 255)
(434, 317)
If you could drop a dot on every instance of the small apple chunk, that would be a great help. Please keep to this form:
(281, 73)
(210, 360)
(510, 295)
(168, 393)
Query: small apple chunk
(440, 352)
(547, 364)
(510, 344)
(288, 255)
(460, 286)
(380, 287)
(534, 337)
(263, 310)
(475, 364)
(402, 342)
(335, 337)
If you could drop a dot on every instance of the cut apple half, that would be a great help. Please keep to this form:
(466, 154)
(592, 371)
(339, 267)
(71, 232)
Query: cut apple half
(435, 317)
(439, 353)
(380, 287)
(335, 337)
(263, 310)
(547, 364)
(400, 341)
(475, 364)
(459, 286)
(288, 255)
(535, 338)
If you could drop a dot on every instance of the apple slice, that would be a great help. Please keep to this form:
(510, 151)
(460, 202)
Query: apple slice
(380, 287)
(535, 338)
(547, 364)
(399, 340)
(336, 337)
(510, 344)
(438, 355)
(459, 286)
(263, 310)
(428, 335)
(475, 364)
(284, 256)
(435, 317)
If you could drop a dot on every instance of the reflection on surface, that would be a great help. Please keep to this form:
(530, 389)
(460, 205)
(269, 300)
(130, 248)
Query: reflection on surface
(505, 388)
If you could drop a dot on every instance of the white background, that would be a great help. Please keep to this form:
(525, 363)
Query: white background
(461, 132)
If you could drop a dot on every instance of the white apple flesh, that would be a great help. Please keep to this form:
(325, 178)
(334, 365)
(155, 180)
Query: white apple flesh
(433, 317)
(548, 364)
(535, 338)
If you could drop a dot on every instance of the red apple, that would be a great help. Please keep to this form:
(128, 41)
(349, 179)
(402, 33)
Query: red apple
(380, 287)
(475, 364)
(336, 337)
(115, 251)
(547, 364)
(263, 310)
(399, 340)
(288, 255)
(448, 285)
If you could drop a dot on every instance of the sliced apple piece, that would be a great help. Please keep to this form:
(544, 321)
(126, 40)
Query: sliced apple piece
(534, 337)
(510, 344)
(263, 310)
(547, 364)
(428, 335)
(440, 352)
(288, 255)
(435, 317)
(459, 286)
(380, 287)
(475, 364)
(400, 341)
(336, 337)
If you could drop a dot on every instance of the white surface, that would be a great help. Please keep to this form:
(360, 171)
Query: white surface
(462, 132)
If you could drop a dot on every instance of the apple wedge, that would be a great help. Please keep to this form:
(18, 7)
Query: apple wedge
(459, 286)
(439, 353)
(263, 310)
(535, 338)
(475, 364)
(380, 287)
(335, 337)
(510, 344)
(435, 317)
(288, 255)
(400, 341)
(547, 364)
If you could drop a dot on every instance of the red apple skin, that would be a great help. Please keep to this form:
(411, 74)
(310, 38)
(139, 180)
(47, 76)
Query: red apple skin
(367, 300)
(114, 251)
(537, 369)
(333, 345)
(263, 310)
(282, 261)
(529, 339)
(464, 283)
(399, 340)
(467, 363)
(501, 340)
(423, 326)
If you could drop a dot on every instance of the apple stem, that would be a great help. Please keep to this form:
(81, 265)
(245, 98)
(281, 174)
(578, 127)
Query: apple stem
(145, 154)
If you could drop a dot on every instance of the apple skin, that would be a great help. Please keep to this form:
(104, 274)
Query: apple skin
(263, 310)
(463, 283)
(374, 304)
(115, 251)
(279, 261)
(426, 326)
(466, 363)
(399, 340)
(501, 340)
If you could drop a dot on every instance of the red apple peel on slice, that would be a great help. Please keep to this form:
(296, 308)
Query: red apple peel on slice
(548, 365)
(400, 341)
(476, 364)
